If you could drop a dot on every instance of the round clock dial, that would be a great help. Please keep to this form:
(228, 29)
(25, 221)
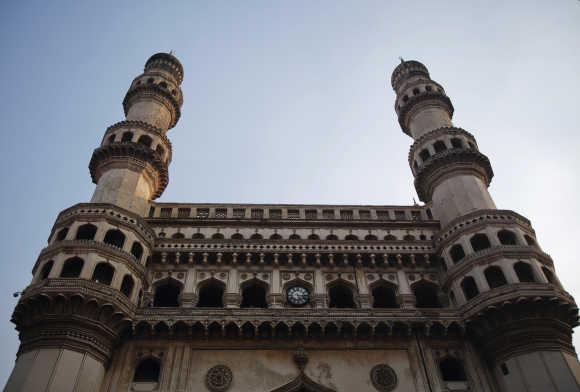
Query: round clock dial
(298, 295)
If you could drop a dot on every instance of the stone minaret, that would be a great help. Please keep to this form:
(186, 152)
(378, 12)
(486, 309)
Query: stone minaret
(502, 283)
(88, 281)
(130, 167)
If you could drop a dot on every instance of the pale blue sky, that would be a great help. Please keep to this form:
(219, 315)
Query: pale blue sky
(287, 102)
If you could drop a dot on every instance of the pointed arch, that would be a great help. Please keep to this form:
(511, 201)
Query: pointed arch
(167, 293)
(210, 293)
(302, 383)
(384, 294)
(426, 294)
(254, 292)
(341, 294)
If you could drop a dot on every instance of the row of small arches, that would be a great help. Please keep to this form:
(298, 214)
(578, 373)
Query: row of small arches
(417, 91)
(495, 278)
(113, 237)
(163, 85)
(440, 146)
(254, 293)
(294, 236)
(103, 273)
(480, 241)
(148, 370)
(145, 140)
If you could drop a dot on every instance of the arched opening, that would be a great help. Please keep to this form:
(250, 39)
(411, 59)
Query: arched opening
(177, 236)
(507, 237)
(148, 370)
(114, 237)
(61, 235)
(237, 236)
(46, 268)
(480, 242)
(86, 232)
(524, 272)
(254, 295)
(385, 296)
(351, 237)
(457, 253)
(332, 237)
(72, 268)
(167, 294)
(371, 237)
(211, 293)
(217, 236)
(275, 236)
(160, 150)
(549, 275)
(256, 236)
(197, 236)
(145, 141)
(390, 237)
(456, 143)
(469, 288)
(103, 273)
(313, 237)
(111, 138)
(137, 250)
(294, 237)
(426, 295)
(127, 285)
(409, 237)
(340, 296)
(424, 154)
(529, 240)
(439, 146)
(127, 137)
(495, 277)
(452, 369)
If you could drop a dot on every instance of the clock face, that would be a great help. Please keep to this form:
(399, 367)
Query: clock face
(298, 295)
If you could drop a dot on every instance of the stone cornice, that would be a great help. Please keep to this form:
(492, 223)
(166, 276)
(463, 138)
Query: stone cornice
(451, 163)
(131, 154)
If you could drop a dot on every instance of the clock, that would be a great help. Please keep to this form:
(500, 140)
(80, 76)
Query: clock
(298, 295)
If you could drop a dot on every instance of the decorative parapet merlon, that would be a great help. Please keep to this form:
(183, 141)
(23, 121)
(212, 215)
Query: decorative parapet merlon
(449, 163)
(139, 153)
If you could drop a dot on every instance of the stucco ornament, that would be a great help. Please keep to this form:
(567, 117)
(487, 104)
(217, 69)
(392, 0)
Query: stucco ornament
(383, 377)
(219, 378)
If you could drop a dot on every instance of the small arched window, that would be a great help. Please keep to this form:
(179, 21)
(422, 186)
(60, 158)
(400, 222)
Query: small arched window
(145, 140)
(137, 250)
(254, 295)
(163, 85)
(426, 295)
(469, 287)
(340, 296)
(415, 91)
(313, 237)
(371, 237)
(480, 242)
(126, 137)
(385, 296)
(111, 139)
(256, 236)
(197, 236)
(211, 294)
(127, 285)
(506, 237)
(86, 232)
(351, 237)
(529, 240)
(167, 295)
(46, 268)
(237, 236)
(549, 275)
(456, 143)
(332, 237)
(452, 370)
(275, 236)
(409, 237)
(61, 235)
(495, 277)
(72, 268)
(294, 237)
(456, 252)
(424, 154)
(439, 146)
(524, 272)
(178, 236)
(390, 237)
(217, 236)
(114, 237)
(148, 370)
(103, 273)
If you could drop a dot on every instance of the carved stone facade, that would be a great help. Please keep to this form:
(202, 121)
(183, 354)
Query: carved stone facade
(135, 295)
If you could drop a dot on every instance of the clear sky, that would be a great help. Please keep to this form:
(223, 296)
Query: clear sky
(287, 102)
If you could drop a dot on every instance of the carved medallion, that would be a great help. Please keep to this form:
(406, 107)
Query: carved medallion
(219, 378)
(383, 377)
